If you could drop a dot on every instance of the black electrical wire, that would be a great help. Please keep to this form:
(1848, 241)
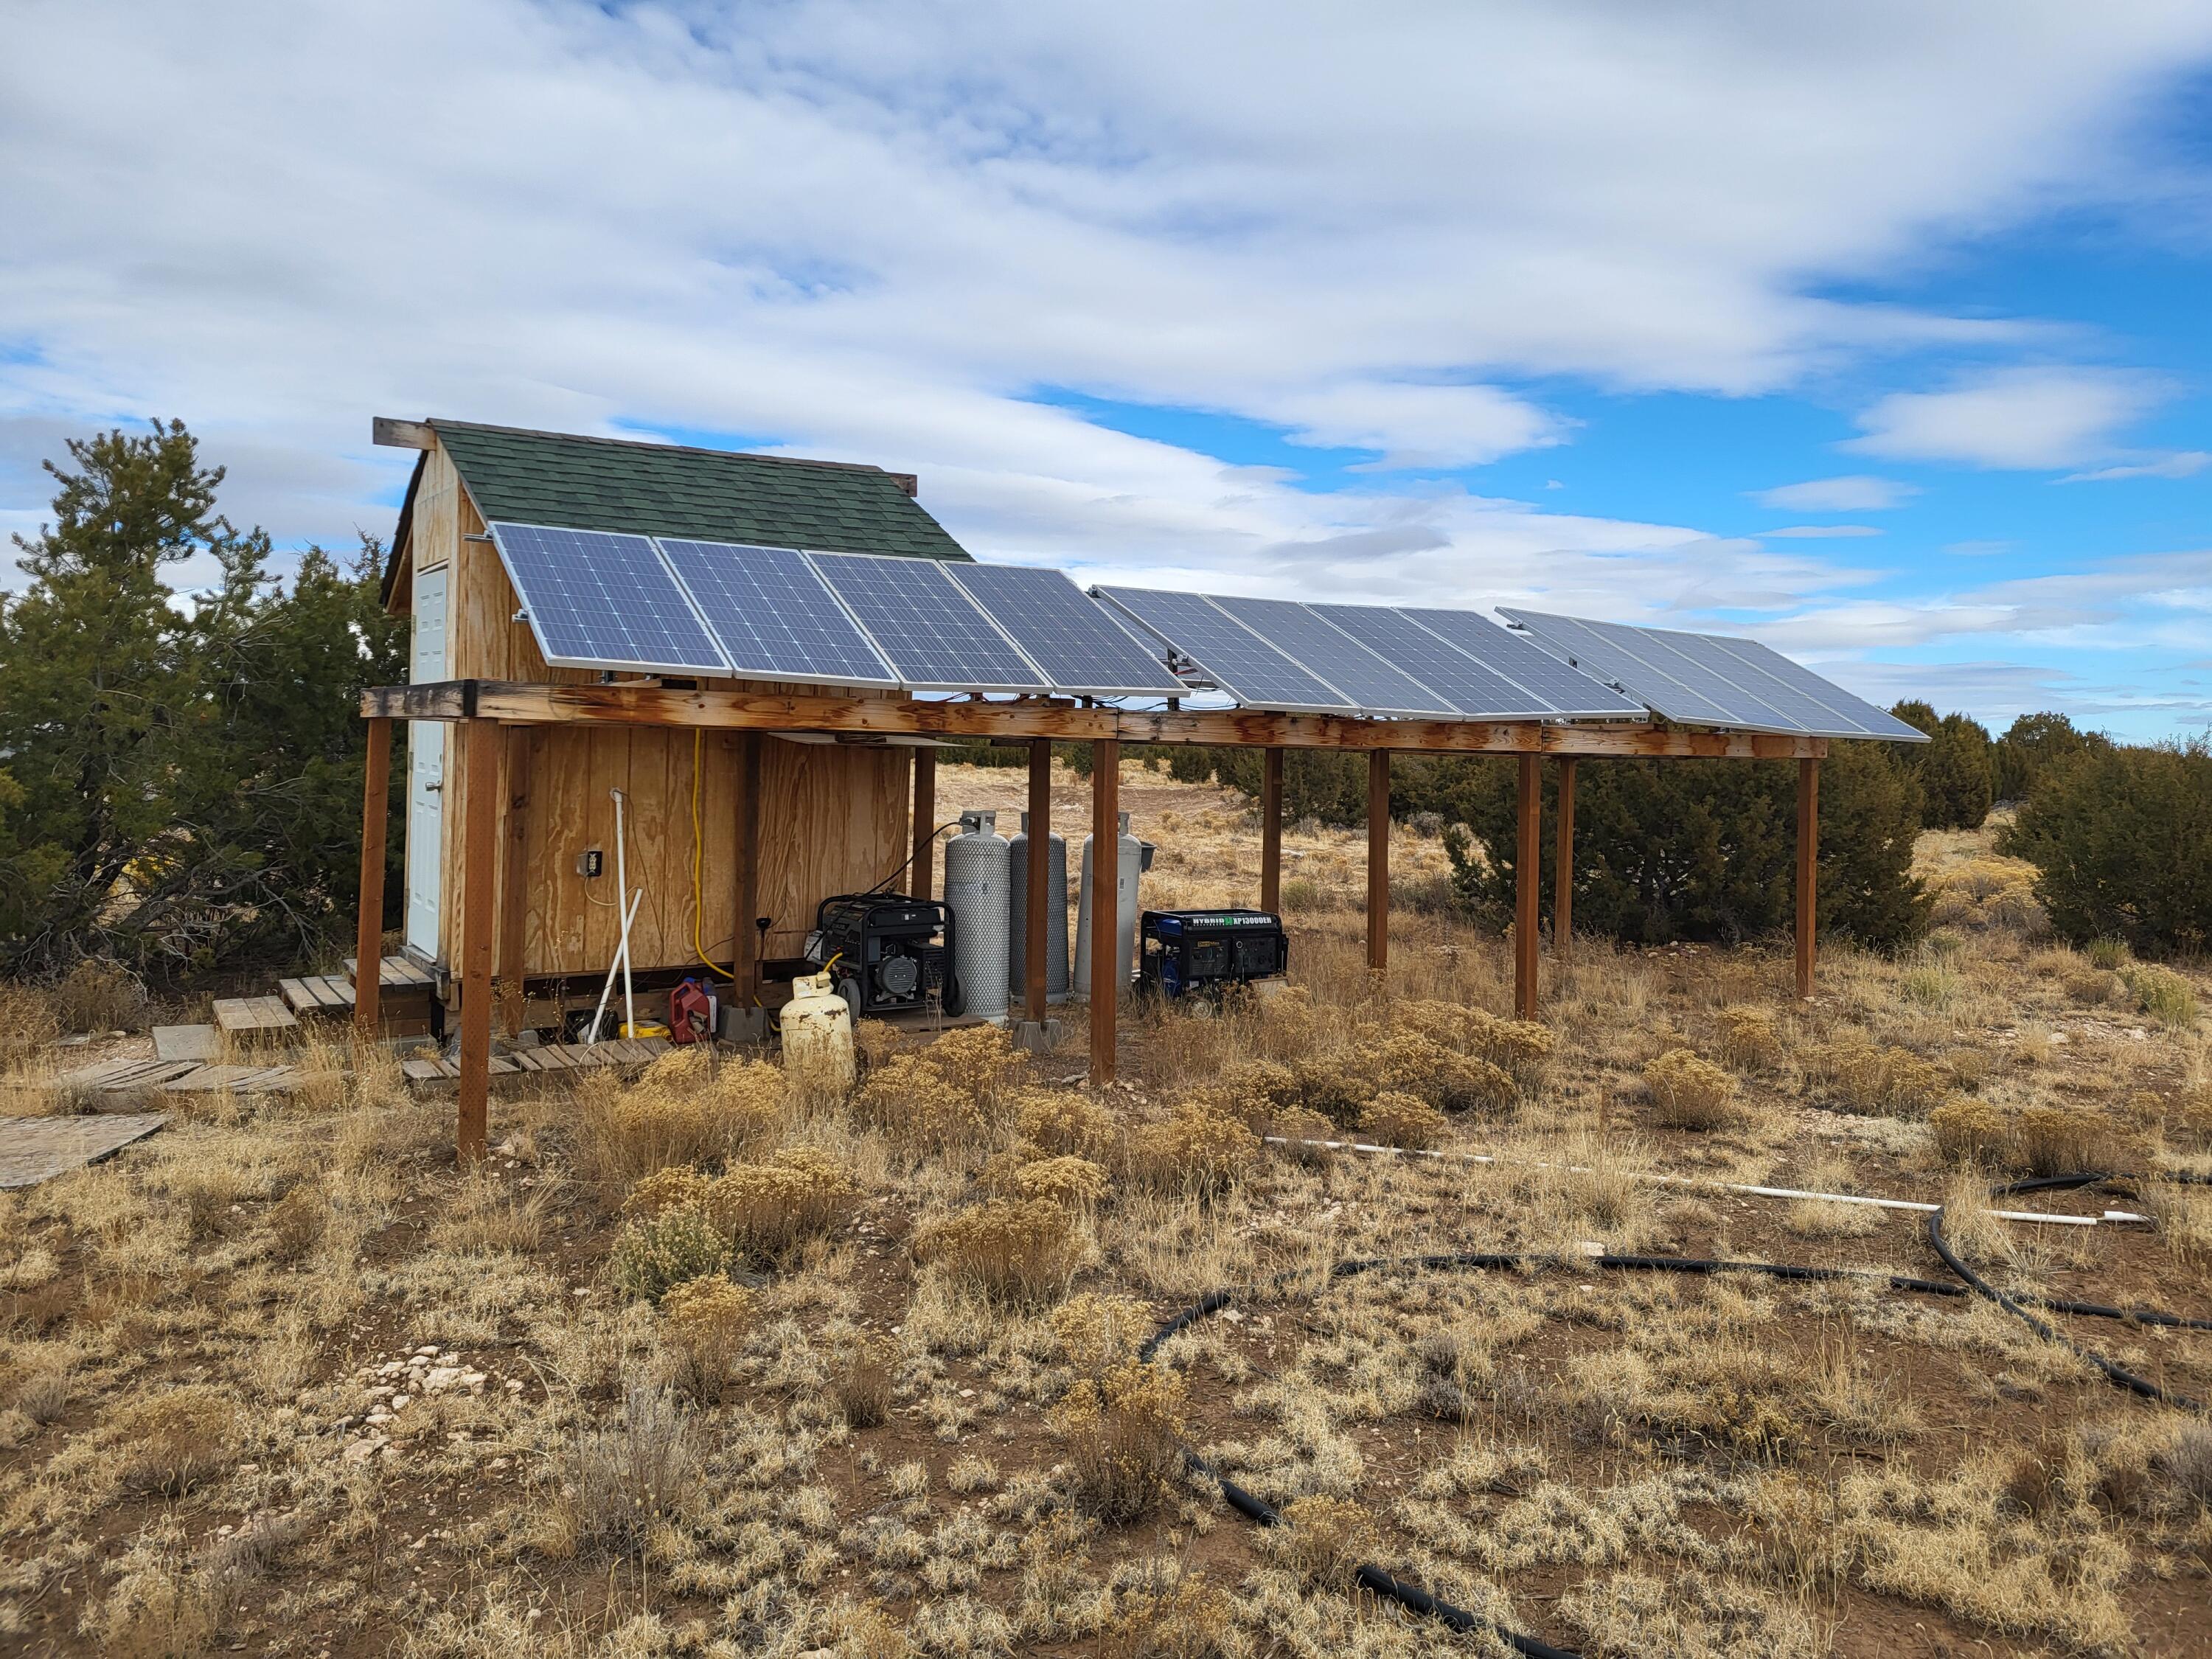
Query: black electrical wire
(1417, 1600)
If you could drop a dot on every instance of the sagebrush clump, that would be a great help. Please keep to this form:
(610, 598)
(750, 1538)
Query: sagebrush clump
(1688, 1092)
(1197, 1149)
(1124, 1433)
(1013, 1250)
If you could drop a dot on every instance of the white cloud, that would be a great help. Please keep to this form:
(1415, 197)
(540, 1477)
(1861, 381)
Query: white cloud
(1856, 493)
(2176, 463)
(1816, 533)
(2019, 417)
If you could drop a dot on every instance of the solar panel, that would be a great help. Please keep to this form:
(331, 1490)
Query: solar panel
(1473, 689)
(596, 601)
(1711, 679)
(1375, 686)
(1229, 653)
(1568, 693)
(773, 614)
(1075, 640)
(935, 636)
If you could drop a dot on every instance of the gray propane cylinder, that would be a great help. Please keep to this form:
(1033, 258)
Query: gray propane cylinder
(1056, 914)
(1129, 863)
(975, 886)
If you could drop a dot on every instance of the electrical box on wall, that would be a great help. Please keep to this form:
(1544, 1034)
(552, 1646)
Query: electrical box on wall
(590, 863)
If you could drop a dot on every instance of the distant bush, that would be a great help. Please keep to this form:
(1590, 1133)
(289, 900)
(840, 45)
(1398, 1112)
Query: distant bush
(2121, 840)
(2032, 745)
(1954, 767)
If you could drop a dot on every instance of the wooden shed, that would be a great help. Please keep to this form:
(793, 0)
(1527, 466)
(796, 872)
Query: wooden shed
(830, 815)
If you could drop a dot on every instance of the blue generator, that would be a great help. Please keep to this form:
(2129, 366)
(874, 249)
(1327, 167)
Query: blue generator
(1201, 952)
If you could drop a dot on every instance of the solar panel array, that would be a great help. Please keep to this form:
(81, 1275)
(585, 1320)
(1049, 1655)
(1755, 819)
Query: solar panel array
(601, 600)
(1712, 679)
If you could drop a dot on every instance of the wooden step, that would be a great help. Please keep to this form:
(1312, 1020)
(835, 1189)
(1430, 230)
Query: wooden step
(395, 973)
(546, 1057)
(245, 1015)
(318, 994)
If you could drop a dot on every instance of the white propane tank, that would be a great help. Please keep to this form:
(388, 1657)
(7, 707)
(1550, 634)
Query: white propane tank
(818, 1032)
(975, 871)
(1128, 864)
(1056, 914)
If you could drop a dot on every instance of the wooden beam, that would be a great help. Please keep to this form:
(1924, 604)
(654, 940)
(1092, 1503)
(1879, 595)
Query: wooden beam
(1105, 926)
(1563, 869)
(883, 717)
(1528, 852)
(393, 432)
(513, 878)
(1378, 861)
(1038, 851)
(1270, 831)
(368, 923)
(479, 850)
(744, 920)
(1808, 865)
(924, 821)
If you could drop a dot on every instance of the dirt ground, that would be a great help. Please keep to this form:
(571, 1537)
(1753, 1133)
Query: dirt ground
(734, 1361)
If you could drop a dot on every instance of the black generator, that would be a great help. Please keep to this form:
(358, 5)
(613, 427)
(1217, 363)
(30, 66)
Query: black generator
(1200, 951)
(891, 950)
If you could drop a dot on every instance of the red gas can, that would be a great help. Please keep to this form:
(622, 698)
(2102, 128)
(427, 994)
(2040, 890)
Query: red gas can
(691, 1013)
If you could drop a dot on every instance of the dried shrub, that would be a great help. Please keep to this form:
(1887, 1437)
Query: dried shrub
(874, 1042)
(27, 1022)
(1324, 1541)
(1333, 1085)
(1256, 1093)
(2164, 995)
(1402, 1120)
(297, 1222)
(910, 1100)
(2048, 1140)
(1689, 1093)
(767, 1210)
(100, 996)
(672, 1188)
(1012, 1250)
(706, 1322)
(1074, 1182)
(860, 1384)
(1166, 1614)
(656, 1252)
(1194, 1151)
(1968, 1131)
(1064, 1123)
(979, 1061)
(488, 1217)
(2092, 987)
(1869, 1077)
(2186, 1463)
(684, 1108)
(1297, 1127)
(1124, 1433)
(643, 1471)
(2108, 953)
(1521, 1049)
(1099, 1332)
(1408, 1063)
(1749, 1038)
(172, 1441)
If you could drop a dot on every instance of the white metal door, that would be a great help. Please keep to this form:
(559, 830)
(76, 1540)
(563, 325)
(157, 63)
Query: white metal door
(426, 769)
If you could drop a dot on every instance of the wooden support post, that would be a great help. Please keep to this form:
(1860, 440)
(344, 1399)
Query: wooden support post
(925, 819)
(479, 853)
(1527, 853)
(1378, 861)
(368, 926)
(513, 878)
(1809, 865)
(1105, 926)
(744, 927)
(1563, 869)
(1270, 831)
(1035, 961)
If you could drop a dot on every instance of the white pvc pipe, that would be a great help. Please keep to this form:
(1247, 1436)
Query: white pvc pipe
(607, 989)
(621, 887)
(2114, 1216)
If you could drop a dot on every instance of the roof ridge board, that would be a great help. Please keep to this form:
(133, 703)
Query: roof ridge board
(439, 423)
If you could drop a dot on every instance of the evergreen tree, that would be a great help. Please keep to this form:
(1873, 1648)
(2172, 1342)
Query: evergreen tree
(1954, 767)
(2032, 745)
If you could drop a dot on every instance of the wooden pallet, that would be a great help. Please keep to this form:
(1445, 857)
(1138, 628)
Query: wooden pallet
(400, 972)
(123, 1076)
(547, 1057)
(316, 993)
(242, 1016)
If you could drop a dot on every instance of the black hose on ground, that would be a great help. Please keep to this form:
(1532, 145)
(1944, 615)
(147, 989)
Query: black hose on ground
(1413, 1598)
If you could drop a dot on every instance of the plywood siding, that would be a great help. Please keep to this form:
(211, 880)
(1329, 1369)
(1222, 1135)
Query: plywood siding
(831, 819)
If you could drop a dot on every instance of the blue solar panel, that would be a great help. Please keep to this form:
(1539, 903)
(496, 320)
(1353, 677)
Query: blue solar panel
(773, 615)
(1838, 707)
(1474, 689)
(1229, 653)
(1075, 640)
(596, 601)
(1565, 692)
(935, 636)
(1376, 687)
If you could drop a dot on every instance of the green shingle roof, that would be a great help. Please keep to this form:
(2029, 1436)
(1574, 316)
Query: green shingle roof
(660, 489)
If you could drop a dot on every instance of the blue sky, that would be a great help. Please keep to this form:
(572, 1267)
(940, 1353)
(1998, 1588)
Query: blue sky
(1876, 332)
